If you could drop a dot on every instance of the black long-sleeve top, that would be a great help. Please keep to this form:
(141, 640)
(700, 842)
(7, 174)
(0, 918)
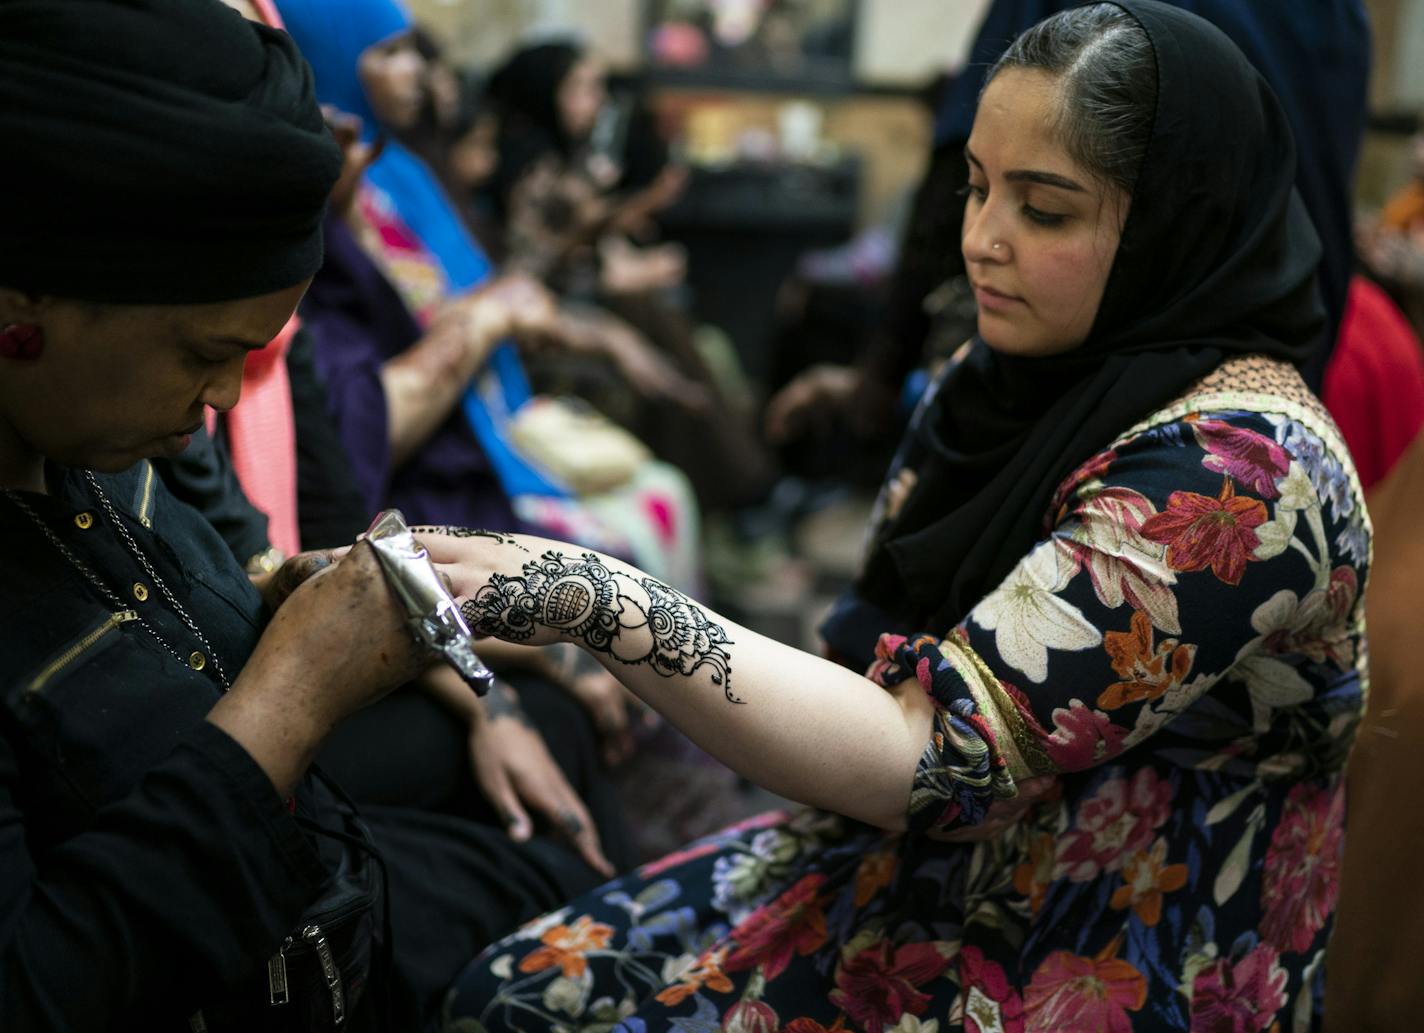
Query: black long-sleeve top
(147, 866)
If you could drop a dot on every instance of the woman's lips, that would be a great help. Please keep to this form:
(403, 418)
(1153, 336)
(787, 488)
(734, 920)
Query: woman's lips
(994, 301)
(173, 444)
(181, 439)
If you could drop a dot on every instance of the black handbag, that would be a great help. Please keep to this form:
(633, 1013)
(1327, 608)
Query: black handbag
(331, 974)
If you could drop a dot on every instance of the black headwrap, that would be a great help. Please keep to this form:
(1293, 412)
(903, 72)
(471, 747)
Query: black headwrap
(526, 87)
(1217, 259)
(525, 93)
(156, 151)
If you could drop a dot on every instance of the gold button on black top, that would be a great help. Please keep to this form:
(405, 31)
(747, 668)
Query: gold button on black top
(197, 661)
(84, 521)
(140, 591)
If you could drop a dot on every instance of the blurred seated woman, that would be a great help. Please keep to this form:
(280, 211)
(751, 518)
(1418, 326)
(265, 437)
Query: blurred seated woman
(410, 321)
(418, 439)
(576, 178)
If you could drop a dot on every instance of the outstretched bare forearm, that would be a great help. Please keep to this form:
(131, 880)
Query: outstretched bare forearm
(795, 723)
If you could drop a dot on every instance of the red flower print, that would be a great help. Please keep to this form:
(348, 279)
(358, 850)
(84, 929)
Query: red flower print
(1123, 565)
(1302, 875)
(1253, 459)
(1240, 998)
(812, 1026)
(1147, 876)
(565, 946)
(1119, 820)
(1147, 671)
(878, 984)
(1069, 992)
(707, 971)
(1202, 532)
(1083, 737)
(1033, 877)
(793, 923)
(1088, 472)
(885, 662)
(988, 995)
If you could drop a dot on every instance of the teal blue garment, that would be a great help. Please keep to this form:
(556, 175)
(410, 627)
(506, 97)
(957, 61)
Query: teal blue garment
(331, 35)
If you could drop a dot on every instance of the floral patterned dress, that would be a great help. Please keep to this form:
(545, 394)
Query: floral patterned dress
(1184, 652)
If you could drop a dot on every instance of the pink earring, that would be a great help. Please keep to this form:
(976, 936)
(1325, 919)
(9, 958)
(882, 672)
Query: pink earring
(21, 341)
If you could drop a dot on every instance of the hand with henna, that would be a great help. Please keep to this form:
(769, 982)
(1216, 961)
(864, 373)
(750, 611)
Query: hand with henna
(611, 707)
(513, 767)
(282, 582)
(821, 394)
(517, 774)
(336, 643)
(583, 329)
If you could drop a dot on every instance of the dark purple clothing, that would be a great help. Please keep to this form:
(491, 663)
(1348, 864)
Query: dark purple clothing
(358, 322)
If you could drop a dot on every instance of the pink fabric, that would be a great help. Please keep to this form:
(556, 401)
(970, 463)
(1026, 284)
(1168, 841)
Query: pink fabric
(1374, 383)
(267, 11)
(663, 520)
(410, 266)
(262, 439)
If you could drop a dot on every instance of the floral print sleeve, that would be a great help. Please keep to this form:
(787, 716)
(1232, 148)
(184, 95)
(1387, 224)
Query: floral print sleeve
(1198, 596)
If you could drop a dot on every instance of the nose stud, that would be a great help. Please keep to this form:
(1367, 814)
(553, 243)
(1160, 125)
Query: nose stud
(996, 245)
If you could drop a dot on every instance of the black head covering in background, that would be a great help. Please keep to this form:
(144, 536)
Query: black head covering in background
(156, 151)
(526, 87)
(1217, 259)
(524, 91)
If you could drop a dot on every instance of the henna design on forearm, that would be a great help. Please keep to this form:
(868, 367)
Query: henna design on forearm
(469, 532)
(634, 620)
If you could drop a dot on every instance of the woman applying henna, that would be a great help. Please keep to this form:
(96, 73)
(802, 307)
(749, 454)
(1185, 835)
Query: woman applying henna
(163, 846)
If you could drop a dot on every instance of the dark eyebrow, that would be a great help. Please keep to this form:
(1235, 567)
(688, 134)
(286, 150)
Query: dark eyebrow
(1048, 179)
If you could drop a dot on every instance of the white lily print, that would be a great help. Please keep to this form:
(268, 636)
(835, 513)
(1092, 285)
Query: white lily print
(1316, 627)
(1029, 618)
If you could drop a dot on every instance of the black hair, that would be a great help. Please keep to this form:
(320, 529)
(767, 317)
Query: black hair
(1109, 76)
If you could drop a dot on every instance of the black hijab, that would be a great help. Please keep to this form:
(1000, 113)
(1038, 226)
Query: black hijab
(159, 151)
(525, 94)
(1217, 259)
(526, 87)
